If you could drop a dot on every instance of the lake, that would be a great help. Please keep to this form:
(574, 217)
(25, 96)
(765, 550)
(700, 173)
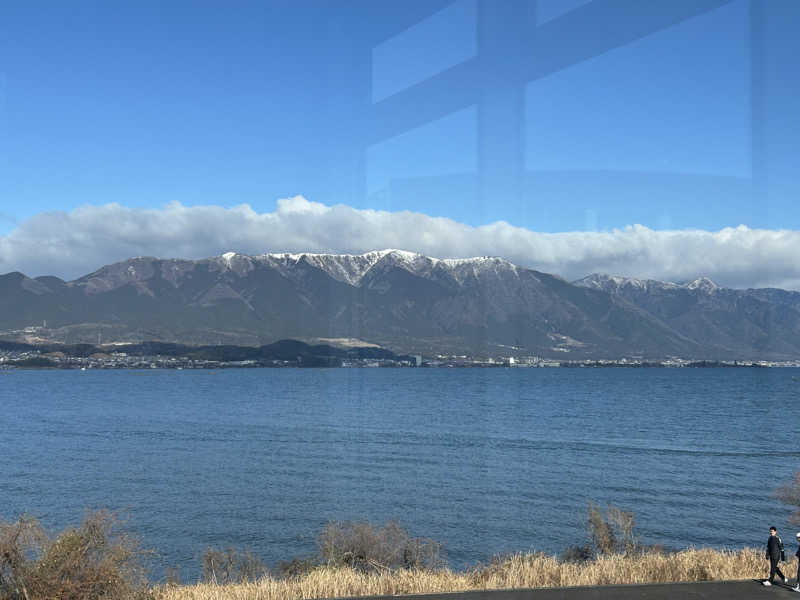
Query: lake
(485, 461)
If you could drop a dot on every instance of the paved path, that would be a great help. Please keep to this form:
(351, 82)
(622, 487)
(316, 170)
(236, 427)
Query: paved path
(726, 590)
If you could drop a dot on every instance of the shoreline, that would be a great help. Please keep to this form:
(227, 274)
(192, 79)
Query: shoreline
(164, 364)
(297, 354)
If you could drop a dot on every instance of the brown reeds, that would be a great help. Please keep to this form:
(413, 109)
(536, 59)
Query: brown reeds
(532, 570)
(98, 560)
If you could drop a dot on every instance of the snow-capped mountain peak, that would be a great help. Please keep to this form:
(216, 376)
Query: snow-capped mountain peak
(351, 268)
(348, 268)
(609, 283)
(615, 283)
(241, 264)
(704, 284)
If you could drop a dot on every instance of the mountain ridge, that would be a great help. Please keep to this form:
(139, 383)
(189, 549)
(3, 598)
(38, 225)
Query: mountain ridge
(405, 301)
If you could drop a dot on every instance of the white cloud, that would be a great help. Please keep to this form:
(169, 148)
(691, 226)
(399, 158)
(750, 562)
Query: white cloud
(70, 244)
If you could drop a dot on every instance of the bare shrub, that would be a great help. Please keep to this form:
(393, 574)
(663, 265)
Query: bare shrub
(601, 533)
(790, 494)
(296, 568)
(366, 547)
(21, 545)
(172, 575)
(623, 524)
(95, 560)
(577, 554)
(231, 565)
(612, 532)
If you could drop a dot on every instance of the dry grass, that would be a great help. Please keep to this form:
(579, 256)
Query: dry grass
(517, 571)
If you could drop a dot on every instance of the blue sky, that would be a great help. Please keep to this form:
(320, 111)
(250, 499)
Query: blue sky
(468, 110)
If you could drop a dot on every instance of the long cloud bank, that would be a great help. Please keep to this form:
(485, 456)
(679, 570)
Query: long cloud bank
(71, 244)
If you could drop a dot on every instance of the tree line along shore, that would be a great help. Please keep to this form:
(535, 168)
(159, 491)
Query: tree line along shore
(295, 353)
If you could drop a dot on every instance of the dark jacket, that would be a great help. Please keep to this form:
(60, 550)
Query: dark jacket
(774, 546)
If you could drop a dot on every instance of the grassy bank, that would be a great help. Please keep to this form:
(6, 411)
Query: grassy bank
(517, 571)
(99, 560)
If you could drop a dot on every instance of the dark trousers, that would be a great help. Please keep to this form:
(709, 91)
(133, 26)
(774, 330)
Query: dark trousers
(773, 569)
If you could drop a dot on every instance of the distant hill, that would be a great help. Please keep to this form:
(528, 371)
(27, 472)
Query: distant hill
(293, 351)
(728, 322)
(402, 301)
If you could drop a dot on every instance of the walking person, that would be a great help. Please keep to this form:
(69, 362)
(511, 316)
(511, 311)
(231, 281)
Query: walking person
(774, 556)
(796, 587)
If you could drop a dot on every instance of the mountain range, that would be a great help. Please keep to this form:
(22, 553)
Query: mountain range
(403, 301)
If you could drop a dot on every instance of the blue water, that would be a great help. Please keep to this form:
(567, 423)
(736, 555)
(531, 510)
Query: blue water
(484, 460)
